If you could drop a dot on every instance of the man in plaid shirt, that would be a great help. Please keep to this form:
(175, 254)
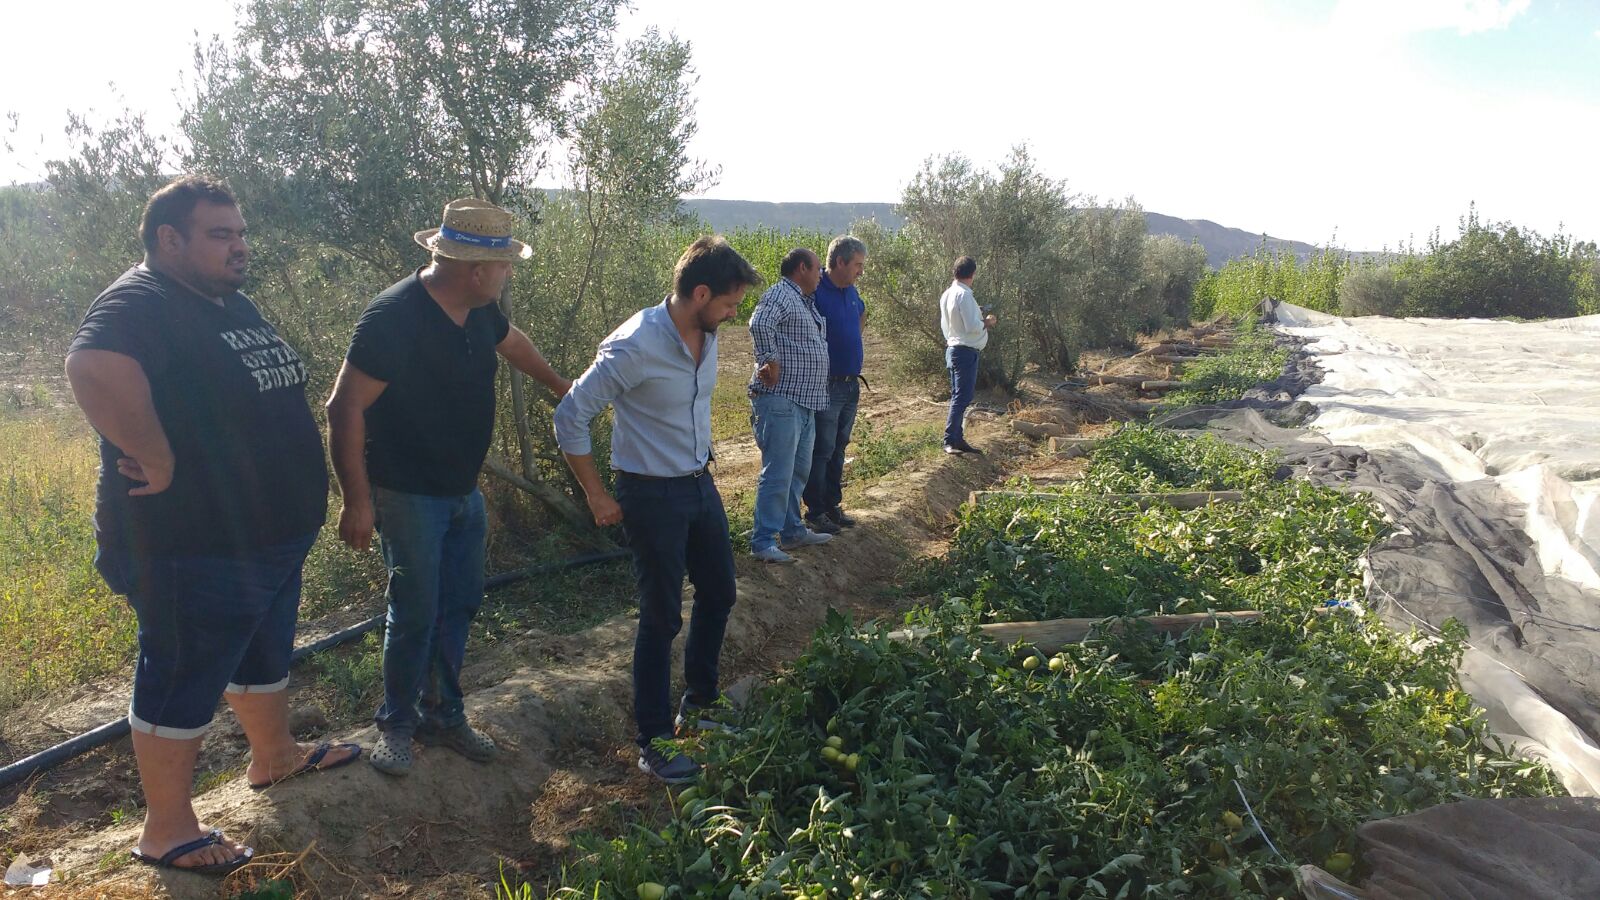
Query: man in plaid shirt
(790, 385)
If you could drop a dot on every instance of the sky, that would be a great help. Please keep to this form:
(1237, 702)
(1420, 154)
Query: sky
(1365, 122)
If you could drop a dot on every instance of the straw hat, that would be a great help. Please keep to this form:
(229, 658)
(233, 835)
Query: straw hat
(474, 230)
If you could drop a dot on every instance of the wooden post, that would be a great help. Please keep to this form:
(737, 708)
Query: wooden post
(1185, 500)
(1050, 636)
(1072, 448)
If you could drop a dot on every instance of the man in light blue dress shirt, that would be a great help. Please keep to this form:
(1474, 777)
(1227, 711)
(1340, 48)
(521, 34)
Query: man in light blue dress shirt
(658, 371)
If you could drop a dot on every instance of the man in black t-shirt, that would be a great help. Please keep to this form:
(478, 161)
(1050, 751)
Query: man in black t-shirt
(212, 490)
(410, 422)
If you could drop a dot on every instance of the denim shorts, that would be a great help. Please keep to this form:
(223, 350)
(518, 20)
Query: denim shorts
(207, 624)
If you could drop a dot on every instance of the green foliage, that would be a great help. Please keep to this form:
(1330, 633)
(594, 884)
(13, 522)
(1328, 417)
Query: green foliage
(1496, 269)
(1253, 359)
(58, 622)
(1140, 459)
(1372, 291)
(1172, 270)
(1491, 269)
(1061, 271)
(1238, 288)
(1116, 769)
(881, 451)
(765, 249)
(353, 675)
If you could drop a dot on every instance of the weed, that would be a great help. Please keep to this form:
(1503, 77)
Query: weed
(880, 452)
(353, 674)
(209, 781)
(730, 409)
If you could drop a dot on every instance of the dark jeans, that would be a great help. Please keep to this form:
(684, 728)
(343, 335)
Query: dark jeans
(434, 548)
(963, 365)
(207, 624)
(825, 487)
(676, 526)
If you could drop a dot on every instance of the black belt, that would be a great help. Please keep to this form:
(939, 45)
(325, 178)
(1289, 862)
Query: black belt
(703, 470)
(861, 378)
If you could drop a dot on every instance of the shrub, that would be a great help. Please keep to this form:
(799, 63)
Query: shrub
(1372, 291)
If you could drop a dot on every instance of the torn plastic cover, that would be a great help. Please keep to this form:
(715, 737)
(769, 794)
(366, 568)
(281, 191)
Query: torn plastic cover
(1481, 440)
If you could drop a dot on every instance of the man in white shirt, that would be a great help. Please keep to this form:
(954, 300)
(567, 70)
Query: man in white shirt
(966, 332)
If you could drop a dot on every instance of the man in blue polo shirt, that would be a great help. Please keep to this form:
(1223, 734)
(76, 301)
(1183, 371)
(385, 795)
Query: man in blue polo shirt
(845, 314)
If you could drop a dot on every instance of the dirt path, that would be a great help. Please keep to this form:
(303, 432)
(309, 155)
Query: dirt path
(558, 703)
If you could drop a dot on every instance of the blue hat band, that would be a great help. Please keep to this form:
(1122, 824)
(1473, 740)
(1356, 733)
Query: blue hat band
(476, 240)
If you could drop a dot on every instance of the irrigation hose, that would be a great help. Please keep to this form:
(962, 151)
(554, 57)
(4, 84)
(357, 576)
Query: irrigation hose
(111, 731)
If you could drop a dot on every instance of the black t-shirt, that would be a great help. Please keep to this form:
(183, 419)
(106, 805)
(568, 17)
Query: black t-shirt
(429, 431)
(249, 470)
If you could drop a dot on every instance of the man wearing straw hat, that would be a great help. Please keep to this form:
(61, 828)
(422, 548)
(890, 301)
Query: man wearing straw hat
(409, 425)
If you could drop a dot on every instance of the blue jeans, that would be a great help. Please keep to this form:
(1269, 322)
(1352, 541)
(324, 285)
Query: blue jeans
(207, 624)
(676, 526)
(963, 365)
(785, 431)
(825, 484)
(434, 548)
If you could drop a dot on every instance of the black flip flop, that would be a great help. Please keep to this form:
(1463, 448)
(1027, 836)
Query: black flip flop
(310, 765)
(168, 860)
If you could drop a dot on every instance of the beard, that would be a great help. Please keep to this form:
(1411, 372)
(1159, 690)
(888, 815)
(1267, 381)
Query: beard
(233, 278)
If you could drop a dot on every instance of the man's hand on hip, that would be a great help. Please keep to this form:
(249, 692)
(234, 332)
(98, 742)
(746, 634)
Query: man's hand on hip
(156, 474)
(356, 522)
(768, 373)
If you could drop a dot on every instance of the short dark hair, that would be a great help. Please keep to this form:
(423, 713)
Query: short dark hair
(795, 260)
(174, 205)
(712, 262)
(965, 267)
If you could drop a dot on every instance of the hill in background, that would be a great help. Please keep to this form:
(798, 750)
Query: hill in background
(1221, 242)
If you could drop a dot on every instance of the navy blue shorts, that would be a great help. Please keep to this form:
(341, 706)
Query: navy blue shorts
(207, 624)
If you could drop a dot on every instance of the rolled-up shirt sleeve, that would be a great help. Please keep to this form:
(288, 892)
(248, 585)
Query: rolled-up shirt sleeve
(614, 371)
(770, 313)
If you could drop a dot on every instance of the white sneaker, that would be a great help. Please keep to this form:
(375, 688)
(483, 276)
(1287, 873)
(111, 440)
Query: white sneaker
(809, 539)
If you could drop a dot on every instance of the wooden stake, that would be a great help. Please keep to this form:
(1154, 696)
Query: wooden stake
(1050, 636)
(1185, 500)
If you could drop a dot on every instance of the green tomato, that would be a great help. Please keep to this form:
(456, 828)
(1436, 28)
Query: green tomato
(1057, 664)
(1339, 864)
(835, 741)
(1031, 663)
(851, 761)
(650, 890)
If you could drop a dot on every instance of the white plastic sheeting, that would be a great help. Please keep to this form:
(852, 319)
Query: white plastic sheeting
(1484, 405)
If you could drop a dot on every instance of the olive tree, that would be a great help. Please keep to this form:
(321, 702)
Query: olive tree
(1061, 271)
